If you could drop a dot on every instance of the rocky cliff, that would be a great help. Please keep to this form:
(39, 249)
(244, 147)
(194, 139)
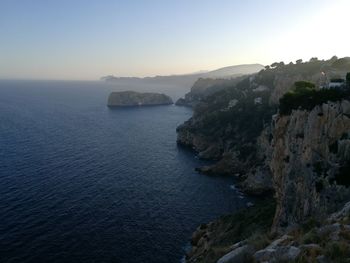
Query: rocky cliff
(132, 98)
(226, 126)
(310, 156)
(231, 125)
(303, 154)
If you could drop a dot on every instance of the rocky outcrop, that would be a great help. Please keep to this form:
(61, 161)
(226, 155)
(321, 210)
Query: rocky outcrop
(257, 182)
(237, 255)
(227, 235)
(132, 98)
(315, 241)
(310, 151)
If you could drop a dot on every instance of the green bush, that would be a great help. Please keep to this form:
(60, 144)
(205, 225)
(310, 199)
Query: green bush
(303, 86)
(305, 96)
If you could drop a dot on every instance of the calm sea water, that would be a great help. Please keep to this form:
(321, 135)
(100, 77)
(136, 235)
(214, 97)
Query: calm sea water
(83, 183)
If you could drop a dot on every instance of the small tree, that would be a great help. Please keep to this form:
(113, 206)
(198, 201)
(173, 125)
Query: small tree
(277, 64)
(299, 61)
(333, 59)
(301, 86)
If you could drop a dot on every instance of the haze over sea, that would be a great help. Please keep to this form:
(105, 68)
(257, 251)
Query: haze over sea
(80, 182)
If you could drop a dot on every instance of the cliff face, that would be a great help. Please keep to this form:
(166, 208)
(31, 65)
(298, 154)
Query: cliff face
(304, 156)
(132, 98)
(232, 125)
(310, 150)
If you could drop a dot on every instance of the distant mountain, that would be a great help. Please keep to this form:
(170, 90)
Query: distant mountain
(234, 70)
(177, 85)
(226, 72)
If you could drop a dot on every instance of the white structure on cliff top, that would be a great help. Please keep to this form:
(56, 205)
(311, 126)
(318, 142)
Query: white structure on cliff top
(336, 84)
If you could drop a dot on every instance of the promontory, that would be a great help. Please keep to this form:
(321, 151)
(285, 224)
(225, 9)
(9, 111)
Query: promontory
(132, 98)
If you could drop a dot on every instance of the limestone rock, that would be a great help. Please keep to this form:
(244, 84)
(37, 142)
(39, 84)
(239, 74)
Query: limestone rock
(258, 182)
(278, 254)
(237, 255)
(308, 149)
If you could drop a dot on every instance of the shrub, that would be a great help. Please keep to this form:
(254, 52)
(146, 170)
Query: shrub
(303, 86)
(311, 237)
(305, 96)
(338, 251)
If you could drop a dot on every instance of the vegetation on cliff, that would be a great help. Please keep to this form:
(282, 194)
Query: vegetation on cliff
(205, 87)
(305, 96)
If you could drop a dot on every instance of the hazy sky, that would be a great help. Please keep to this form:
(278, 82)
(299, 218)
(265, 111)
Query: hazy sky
(86, 39)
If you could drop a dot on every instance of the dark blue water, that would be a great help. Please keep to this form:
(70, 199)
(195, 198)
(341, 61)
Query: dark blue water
(83, 183)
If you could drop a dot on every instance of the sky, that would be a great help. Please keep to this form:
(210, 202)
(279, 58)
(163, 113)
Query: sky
(87, 39)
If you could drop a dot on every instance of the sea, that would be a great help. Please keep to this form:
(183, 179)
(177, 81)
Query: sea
(81, 182)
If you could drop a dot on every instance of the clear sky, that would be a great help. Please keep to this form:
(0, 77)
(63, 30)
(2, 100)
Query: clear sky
(86, 39)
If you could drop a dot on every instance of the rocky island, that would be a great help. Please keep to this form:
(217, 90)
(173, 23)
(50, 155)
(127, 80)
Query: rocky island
(132, 98)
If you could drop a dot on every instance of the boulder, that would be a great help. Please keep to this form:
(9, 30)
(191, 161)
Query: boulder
(258, 182)
(237, 255)
(277, 254)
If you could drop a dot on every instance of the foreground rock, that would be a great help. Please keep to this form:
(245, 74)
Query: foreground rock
(244, 238)
(132, 98)
(238, 255)
(223, 240)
